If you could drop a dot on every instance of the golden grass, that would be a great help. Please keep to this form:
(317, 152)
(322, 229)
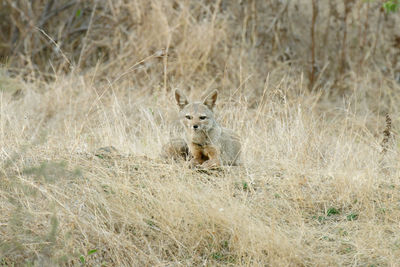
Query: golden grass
(314, 190)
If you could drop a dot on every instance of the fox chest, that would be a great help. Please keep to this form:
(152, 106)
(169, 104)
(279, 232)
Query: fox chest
(205, 152)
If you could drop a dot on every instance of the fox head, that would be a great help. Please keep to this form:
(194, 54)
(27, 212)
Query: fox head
(197, 117)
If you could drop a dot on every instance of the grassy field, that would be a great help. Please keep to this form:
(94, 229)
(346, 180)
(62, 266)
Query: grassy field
(320, 181)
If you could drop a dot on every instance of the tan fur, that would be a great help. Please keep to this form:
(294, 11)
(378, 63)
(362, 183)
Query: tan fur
(209, 144)
(175, 149)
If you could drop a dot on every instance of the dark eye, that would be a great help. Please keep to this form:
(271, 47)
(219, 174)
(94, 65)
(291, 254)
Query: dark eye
(202, 117)
(188, 117)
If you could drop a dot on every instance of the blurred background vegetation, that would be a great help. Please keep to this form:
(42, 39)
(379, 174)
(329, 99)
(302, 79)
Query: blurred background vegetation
(327, 41)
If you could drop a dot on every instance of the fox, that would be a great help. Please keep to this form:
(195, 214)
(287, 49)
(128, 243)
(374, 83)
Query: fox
(206, 143)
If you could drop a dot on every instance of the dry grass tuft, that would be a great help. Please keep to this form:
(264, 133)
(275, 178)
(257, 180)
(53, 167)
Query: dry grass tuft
(386, 134)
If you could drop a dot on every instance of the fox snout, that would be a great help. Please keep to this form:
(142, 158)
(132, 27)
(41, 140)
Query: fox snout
(196, 126)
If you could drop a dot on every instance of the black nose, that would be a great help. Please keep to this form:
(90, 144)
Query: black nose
(195, 126)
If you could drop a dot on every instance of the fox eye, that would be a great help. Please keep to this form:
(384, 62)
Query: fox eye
(188, 117)
(202, 117)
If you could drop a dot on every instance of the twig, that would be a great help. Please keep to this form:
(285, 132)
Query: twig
(87, 33)
(46, 10)
(55, 12)
(378, 30)
(56, 44)
(364, 37)
(275, 20)
(342, 65)
(313, 21)
(327, 31)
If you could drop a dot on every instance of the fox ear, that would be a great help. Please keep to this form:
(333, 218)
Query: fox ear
(181, 99)
(210, 99)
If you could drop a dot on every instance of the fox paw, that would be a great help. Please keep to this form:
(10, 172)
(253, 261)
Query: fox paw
(194, 163)
(211, 165)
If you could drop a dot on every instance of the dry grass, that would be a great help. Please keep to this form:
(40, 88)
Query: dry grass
(315, 189)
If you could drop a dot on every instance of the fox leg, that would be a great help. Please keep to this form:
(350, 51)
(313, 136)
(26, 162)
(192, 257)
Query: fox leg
(214, 160)
(197, 159)
(175, 149)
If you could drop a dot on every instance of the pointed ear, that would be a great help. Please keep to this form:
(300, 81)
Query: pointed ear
(210, 99)
(181, 99)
